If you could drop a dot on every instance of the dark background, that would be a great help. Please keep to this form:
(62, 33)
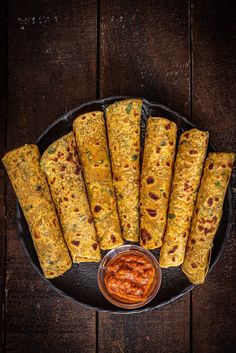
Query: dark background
(57, 54)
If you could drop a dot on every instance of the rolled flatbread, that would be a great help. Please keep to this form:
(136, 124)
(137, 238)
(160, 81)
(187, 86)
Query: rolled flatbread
(207, 215)
(91, 140)
(187, 174)
(158, 160)
(61, 166)
(31, 188)
(123, 127)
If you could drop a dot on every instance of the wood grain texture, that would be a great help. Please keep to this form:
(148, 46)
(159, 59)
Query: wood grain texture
(214, 42)
(144, 51)
(52, 67)
(163, 331)
(3, 112)
(213, 72)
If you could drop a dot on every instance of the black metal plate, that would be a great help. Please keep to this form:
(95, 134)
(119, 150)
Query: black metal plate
(80, 282)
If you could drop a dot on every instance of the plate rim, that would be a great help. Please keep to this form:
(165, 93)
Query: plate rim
(190, 287)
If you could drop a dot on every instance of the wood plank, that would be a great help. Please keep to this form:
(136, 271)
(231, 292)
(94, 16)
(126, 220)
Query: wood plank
(164, 330)
(52, 67)
(213, 26)
(3, 112)
(214, 70)
(144, 50)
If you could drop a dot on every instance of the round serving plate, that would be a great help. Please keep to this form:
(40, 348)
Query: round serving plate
(80, 282)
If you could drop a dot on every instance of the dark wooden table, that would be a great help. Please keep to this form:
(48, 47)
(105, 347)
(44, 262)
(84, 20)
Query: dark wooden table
(60, 53)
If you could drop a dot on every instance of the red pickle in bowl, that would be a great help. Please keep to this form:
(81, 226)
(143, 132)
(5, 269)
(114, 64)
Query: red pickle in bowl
(129, 276)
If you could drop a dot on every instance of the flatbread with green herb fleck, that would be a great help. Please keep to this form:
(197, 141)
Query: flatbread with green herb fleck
(123, 127)
(158, 161)
(61, 165)
(187, 174)
(31, 188)
(207, 215)
(91, 140)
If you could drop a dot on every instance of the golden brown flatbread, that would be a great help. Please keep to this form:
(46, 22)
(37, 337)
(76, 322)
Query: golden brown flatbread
(31, 188)
(61, 165)
(187, 174)
(207, 215)
(158, 160)
(90, 135)
(123, 127)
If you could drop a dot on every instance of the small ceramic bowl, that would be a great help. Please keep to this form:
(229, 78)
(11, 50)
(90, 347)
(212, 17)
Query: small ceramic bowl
(129, 249)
